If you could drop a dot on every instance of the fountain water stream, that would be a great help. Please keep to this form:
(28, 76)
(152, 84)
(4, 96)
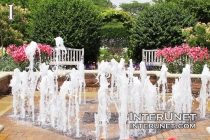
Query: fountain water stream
(204, 91)
(162, 82)
(181, 93)
(51, 101)
(127, 92)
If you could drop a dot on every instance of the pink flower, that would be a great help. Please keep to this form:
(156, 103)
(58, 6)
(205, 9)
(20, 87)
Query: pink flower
(18, 53)
(171, 54)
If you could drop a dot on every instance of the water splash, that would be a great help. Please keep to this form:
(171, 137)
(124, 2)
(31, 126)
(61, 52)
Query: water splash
(101, 118)
(82, 83)
(30, 52)
(204, 93)
(181, 93)
(51, 101)
(143, 72)
(162, 81)
(122, 106)
(24, 90)
(60, 44)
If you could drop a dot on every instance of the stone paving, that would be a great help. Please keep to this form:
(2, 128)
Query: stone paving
(21, 130)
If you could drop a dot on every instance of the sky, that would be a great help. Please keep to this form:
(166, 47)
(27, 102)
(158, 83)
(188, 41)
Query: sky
(117, 2)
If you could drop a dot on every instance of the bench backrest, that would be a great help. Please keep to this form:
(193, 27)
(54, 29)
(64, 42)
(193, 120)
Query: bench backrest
(71, 57)
(149, 57)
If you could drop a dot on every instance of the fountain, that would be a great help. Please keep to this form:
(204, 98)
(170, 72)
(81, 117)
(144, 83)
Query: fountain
(128, 93)
(182, 103)
(204, 92)
(51, 101)
(101, 118)
(162, 82)
(23, 90)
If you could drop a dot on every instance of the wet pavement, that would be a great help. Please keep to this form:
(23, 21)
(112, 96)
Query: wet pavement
(21, 130)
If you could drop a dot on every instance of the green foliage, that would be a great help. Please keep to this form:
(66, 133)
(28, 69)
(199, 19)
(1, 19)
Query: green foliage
(21, 3)
(177, 65)
(158, 26)
(77, 21)
(112, 15)
(158, 1)
(12, 32)
(199, 35)
(117, 28)
(198, 67)
(134, 8)
(114, 35)
(103, 4)
(201, 8)
(113, 53)
(7, 63)
(29, 4)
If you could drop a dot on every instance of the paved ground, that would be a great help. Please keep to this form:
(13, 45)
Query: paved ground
(20, 130)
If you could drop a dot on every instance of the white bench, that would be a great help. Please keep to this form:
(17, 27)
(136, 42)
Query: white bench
(149, 57)
(71, 57)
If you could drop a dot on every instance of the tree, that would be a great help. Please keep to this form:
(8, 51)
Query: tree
(117, 27)
(78, 22)
(103, 4)
(12, 32)
(134, 7)
(22, 3)
(158, 1)
(201, 8)
(158, 26)
(199, 35)
(116, 31)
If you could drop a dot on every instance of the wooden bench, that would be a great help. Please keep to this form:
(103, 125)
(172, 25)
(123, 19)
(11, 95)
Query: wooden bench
(71, 57)
(149, 57)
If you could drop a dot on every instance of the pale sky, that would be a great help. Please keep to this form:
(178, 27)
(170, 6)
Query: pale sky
(117, 2)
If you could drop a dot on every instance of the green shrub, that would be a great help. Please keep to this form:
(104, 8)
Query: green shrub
(77, 21)
(114, 35)
(201, 8)
(117, 29)
(199, 35)
(198, 67)
(113, 53)
(158, 26)
(13, 32)
(7, 63)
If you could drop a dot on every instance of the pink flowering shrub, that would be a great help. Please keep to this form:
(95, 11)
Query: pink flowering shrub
(19, 56)
(177, 57)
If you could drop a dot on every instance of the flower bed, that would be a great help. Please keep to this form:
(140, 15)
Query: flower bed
(176, 58)
(19, 56)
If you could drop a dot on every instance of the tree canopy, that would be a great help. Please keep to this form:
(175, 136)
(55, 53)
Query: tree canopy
(12, 32)
(134, 7)
(201, 8)
(78, 22)
(158, 26)
(103, 4)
